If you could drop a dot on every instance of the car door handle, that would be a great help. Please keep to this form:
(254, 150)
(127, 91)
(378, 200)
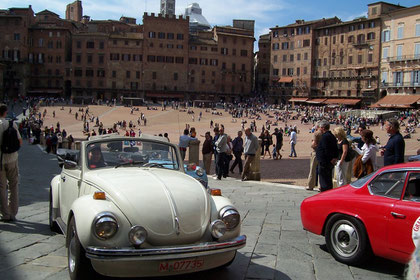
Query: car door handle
(398, 215)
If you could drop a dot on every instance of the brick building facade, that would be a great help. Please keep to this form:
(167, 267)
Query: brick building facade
(292, 56)
(346, 60)
(74, 11)
(400, 61)
(49, 51)
(359, 60)
(14, 49)
(262, 69)
(87, 59)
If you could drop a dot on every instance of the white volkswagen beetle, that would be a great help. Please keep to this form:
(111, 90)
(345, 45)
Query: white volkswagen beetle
(128, 210)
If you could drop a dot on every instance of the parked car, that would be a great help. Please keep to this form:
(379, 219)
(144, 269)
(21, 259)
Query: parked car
(378, 214)
(128, 209)
(193, 170)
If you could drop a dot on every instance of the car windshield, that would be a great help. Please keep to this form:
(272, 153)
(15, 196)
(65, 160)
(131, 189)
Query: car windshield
(122, 153)
(362, 181)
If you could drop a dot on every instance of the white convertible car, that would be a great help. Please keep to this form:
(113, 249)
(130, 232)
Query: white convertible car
(128, 209)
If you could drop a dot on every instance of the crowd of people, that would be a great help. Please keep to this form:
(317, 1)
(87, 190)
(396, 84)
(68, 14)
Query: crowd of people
(249, 111)
(333, 150)
(335, 153)
(225, 149)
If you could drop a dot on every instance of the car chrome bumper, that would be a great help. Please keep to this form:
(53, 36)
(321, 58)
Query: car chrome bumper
(172, 252)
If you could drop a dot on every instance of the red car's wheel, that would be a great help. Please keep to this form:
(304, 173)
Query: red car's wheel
(347, 239)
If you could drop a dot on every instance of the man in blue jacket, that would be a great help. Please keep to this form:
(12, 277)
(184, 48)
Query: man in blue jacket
(327, 155)
(393, 151)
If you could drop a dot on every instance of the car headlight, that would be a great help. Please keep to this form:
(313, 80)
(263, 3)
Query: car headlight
(199, 171)
(230, 216)
(105, 226)
(217, 228)
(137, 235)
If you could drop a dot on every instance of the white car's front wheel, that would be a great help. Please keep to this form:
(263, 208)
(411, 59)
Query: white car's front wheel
(79, 266)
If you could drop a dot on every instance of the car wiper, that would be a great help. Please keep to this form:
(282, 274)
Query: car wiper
(153, 164)
(129, 163)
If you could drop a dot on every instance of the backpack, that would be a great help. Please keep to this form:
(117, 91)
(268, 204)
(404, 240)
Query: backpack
(10, 143)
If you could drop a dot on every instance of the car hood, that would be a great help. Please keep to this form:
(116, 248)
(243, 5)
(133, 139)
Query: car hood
(335, 197)
(173, 207)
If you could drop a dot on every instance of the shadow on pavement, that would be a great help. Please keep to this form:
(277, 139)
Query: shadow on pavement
(36, 172)
(27, 228)
(377, 264)
(237, 270)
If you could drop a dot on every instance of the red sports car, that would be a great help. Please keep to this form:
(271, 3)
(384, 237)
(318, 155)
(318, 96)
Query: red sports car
(377, 214)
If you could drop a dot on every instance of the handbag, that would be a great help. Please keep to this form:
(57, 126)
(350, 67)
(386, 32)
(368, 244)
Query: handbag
(351, 154)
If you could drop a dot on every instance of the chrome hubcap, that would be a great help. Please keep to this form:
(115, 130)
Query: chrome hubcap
(345, 238)
(72, 252)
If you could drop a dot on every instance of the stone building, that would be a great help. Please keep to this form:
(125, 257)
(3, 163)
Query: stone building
(2, 67)
(335, 62)
(165, 50)
(49, 52)
(292, 54)
(236, 58)
(14, 49)
(106, 60)
(346, 60)
(74, 11)
(400, 61)
(262, 68)
(87, 59)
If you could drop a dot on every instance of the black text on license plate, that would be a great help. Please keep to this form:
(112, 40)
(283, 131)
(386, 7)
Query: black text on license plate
(180, 265)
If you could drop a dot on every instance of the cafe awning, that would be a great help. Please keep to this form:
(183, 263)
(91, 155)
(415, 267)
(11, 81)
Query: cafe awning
(45, 91)
(165, 95)
(285, 80)
(298, 99)
(342, 101)
(316, 101)
(397, 101)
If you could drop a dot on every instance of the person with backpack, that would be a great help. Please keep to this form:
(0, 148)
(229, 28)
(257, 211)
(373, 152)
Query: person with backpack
(10, 142)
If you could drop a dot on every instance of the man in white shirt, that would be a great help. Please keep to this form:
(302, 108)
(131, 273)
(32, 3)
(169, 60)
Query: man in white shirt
(293, 140)
(221, 148)
(9, 174)
(250, 149)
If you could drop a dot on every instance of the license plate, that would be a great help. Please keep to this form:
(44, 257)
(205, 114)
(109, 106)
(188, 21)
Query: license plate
(180, 265)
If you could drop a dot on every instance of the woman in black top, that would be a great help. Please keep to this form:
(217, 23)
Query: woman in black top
(268, 141)
(343, 149)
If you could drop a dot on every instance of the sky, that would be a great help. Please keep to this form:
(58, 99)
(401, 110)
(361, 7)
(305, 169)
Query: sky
(266, 13)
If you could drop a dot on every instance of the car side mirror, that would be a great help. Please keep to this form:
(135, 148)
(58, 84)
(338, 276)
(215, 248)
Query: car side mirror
(68, 164)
